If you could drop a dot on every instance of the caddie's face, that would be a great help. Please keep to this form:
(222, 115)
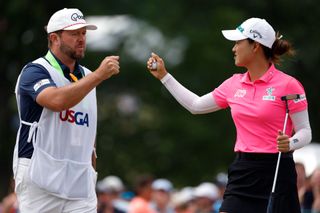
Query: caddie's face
(73, 43)
(243, 53)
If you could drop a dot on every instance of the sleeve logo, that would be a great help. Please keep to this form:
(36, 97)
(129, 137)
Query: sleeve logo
(40, 84)
(301, 98)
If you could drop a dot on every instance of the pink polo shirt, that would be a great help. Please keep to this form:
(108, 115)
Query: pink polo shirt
(257, 109)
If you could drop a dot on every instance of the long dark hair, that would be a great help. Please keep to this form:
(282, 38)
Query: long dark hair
(280, 47)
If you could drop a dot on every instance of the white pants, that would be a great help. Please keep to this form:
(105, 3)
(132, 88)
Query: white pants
(33, 199)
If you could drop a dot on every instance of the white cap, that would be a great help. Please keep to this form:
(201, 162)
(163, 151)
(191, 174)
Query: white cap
(110, 184)
(208, 190)
(221, 179)
(162, 184)
(68, 19)
(256, 29)
(182, 197)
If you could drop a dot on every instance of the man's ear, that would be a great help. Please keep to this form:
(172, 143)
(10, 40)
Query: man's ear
(54, 37)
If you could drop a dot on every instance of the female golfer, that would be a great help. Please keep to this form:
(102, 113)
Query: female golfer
(258, 113)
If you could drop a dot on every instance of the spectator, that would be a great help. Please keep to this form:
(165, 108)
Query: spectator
(9, 203)
(301, 180)
(182, 201)
(315, 184)
(304, 189)
(141, 202)
(109, 190)
(221, 182)
(161, 196)
(205, 196)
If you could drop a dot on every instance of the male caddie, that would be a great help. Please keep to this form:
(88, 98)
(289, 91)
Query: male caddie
(56, 101)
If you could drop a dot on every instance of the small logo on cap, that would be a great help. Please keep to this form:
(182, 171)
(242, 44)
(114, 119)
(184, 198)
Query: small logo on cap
(76, 17)
(256, 34)
(240, 29)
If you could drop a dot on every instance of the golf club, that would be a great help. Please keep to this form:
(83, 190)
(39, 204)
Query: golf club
(283, 98)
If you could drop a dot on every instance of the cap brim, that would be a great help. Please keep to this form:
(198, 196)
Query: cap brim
(161, 189)
(78, 26)
(233, 35)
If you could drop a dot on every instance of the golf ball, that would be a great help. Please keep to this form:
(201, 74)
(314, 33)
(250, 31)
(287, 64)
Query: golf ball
(154, 65)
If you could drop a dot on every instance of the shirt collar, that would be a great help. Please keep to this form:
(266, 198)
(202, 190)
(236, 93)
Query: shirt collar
(78, 71)
(265, 78)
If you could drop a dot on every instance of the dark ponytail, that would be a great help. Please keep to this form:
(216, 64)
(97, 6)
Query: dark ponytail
(280, 47)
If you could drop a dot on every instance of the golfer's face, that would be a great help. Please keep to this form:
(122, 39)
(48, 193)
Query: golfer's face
(243, 53)
(73, 43)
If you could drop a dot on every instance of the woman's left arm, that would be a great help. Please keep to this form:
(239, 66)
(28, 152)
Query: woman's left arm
(302, 130)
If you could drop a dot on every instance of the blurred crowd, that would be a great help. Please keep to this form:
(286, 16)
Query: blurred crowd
(308, 189)
(149, 195)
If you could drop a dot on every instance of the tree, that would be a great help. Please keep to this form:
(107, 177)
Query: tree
(159, 136)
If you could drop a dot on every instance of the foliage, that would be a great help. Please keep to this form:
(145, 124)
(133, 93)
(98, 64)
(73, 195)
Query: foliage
(160, 137)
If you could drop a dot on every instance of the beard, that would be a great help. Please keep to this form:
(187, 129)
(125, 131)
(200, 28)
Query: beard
(67, 50)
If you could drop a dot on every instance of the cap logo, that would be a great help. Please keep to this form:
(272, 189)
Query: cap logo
(76, 17)
(240, 29)
(256, 34)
